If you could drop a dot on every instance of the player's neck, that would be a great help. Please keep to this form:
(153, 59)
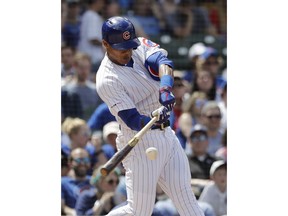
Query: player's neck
(129, 64)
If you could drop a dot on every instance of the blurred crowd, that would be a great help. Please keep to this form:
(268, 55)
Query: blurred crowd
(89, 130)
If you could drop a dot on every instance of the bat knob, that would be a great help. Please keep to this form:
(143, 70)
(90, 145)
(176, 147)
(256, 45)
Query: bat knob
(104, 172)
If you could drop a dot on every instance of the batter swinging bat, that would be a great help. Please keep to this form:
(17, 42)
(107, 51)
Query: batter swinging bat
(121, 154)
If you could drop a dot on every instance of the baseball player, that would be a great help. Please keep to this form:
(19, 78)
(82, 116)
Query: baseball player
(134, 79)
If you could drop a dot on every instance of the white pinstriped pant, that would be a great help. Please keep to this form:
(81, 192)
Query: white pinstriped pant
(170, 170)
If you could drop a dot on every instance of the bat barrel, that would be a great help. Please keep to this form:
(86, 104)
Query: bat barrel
(115, 160)
(120, 155)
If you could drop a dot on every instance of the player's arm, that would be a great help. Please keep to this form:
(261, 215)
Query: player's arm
(136, 121)
(159, 62)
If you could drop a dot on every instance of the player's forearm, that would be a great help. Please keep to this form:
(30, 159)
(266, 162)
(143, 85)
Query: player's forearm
(133, 119)
(165, 70)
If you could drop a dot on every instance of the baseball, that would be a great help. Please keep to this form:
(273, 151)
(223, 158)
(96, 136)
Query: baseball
(151, 153)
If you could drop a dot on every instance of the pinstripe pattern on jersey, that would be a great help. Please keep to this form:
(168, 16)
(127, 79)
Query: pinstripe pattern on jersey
(163, 170)
(125, 88)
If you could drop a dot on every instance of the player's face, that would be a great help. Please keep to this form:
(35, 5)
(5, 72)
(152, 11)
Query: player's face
(121, 57)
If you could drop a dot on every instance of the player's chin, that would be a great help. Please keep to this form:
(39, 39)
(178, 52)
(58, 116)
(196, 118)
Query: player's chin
(125, 61)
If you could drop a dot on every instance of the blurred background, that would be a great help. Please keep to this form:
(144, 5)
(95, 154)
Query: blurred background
(174, 24)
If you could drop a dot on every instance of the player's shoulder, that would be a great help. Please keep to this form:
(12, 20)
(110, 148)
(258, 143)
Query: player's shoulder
(149, 47)
(105, 67)
(105, 72)
(147, 42)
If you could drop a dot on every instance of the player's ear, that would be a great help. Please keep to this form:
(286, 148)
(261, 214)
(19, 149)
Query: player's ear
(105, 44)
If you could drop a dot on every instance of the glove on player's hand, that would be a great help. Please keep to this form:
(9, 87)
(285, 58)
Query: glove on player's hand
(166, 97)
(163, 115)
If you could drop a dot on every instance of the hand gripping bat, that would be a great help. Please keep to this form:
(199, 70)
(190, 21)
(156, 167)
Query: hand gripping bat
(122, 153)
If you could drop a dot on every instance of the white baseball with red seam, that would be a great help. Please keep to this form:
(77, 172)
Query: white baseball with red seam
(151, 153)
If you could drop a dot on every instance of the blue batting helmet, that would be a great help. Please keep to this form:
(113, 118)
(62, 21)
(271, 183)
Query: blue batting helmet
(119, 32)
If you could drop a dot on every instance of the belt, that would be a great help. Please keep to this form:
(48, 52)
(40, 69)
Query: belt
(161, 126)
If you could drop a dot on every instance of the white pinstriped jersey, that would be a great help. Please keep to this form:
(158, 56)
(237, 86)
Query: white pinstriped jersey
(122, 88)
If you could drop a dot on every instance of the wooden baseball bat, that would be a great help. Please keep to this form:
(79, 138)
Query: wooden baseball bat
(122, 153)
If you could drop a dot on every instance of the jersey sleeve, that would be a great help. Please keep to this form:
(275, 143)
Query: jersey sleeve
(152, 56)
(149, 47)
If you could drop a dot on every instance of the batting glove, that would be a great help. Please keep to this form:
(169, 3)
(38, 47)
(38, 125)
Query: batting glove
(166, 97)
(163, 115)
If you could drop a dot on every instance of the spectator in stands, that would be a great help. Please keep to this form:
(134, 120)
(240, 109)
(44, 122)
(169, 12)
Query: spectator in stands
(70, 101)
(194, 104)
(187, 19)
(211, 118)
(90, 33)
(222, 151)
(100, 117)
(180, 22)
(195, 51)
(81, 85)
(112, 8)
(222, 103)
(64, 9)
(79, 135)
(217, 11)
(179, 90)
(71, 105)
(110, 131)
(211, 61)
(98, 200)
(143, 16)
(64, 164)
(96, 139)
(161, 10)
(126, 5)
(72, 186)
(200, 161)
(67, 60)
(165, 207)
(184, 127)
(71, 27)
(215, 193)
(205, 82)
